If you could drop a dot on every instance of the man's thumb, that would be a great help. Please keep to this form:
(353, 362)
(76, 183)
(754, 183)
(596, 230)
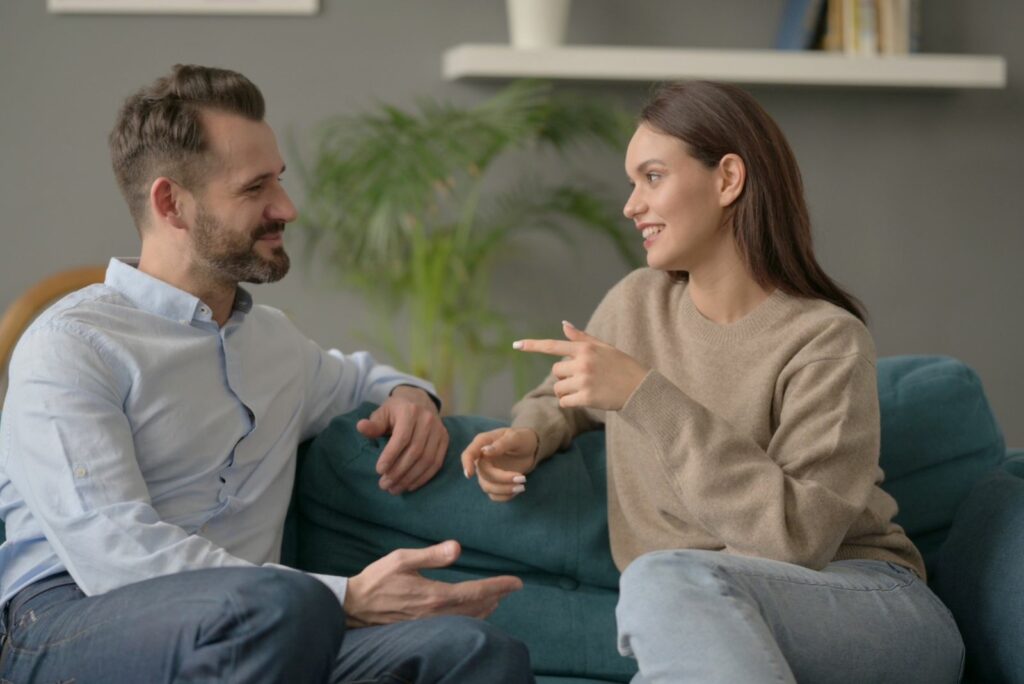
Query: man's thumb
(374, 426)
(436, 556)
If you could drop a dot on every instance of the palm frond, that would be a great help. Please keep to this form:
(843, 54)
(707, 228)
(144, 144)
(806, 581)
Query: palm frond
(396, 201)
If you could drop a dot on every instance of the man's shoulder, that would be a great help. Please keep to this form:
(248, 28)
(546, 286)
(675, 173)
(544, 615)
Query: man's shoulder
(74, 332)
(83, 312)
(273, 318)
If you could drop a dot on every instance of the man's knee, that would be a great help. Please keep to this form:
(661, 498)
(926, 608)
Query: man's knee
(469, 638)
(287, 601)
(287, 623)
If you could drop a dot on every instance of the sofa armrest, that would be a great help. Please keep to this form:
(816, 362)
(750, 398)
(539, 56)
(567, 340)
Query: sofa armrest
(978, 575)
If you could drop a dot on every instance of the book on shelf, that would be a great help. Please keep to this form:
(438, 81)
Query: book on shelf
(803, 22)
(853, 27)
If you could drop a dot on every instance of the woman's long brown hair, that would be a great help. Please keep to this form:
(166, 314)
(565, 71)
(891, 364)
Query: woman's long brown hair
(770, 221)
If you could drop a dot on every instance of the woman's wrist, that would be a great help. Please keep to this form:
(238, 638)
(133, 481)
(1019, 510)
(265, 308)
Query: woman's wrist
(535, 459)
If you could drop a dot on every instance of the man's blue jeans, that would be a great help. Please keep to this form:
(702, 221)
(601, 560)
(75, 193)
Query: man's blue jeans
(237, 625)
(709, 617)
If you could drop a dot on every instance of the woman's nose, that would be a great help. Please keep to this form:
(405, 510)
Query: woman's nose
(633, 206)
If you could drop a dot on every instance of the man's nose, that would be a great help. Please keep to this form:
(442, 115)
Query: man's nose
(282, 208)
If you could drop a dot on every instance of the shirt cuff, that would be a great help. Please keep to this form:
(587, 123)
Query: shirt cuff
(339, 585)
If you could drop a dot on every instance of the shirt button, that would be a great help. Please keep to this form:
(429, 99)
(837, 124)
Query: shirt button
(80, 471)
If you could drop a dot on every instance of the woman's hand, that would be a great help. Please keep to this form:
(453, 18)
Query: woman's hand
(593, 374)
(501, 459)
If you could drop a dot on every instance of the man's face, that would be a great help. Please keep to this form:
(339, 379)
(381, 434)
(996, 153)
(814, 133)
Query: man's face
(240, 214)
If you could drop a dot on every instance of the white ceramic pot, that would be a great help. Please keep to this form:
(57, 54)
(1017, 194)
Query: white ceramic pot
(537, 23)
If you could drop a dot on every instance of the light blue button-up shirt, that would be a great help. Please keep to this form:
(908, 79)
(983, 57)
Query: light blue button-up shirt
(140, 439)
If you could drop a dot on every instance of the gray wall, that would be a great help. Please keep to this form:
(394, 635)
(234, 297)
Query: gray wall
(915, 195)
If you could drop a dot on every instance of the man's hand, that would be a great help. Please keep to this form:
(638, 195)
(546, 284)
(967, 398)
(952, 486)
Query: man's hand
(391, 590)
(501, 459)
(593, 374)
(415, 451)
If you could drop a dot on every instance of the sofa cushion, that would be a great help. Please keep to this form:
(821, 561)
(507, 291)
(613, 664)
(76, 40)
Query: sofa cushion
(554, 537)
(939, 437)
(978, 575)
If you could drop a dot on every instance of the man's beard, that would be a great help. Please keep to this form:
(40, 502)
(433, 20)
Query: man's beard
(231, 257)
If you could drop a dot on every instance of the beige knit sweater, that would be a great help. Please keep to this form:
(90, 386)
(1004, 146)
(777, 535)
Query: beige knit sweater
(757, 438)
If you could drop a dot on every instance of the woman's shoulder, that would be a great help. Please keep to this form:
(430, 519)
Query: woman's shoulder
(826, 331)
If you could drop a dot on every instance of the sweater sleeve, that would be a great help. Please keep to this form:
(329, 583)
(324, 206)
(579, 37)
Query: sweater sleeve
(556, 426)
(793, 502)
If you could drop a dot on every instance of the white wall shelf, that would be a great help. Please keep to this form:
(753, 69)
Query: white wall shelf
(613, 63)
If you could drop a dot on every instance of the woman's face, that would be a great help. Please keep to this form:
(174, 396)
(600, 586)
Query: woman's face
(676, 202)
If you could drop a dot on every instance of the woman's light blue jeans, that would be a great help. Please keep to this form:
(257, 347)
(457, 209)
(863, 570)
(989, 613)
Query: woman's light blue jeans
(706, 616)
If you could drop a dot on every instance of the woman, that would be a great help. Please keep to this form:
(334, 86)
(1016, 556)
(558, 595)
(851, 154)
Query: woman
(737, 386)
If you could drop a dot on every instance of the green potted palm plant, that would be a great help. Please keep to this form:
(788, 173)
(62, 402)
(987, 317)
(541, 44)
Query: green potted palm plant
(396, 202)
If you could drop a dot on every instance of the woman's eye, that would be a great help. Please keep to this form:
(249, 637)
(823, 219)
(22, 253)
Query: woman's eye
(653, 177)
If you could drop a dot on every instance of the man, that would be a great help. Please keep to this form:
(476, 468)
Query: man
(147, 449)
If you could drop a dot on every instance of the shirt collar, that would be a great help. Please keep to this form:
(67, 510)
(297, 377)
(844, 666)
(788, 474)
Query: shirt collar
(158, 297)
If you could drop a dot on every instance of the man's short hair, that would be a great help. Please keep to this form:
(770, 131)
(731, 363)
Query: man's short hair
(158, 130)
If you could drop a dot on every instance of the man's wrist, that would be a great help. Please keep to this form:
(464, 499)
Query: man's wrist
(415, 394)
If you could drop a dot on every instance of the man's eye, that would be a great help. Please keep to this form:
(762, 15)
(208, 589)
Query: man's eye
(254, 188)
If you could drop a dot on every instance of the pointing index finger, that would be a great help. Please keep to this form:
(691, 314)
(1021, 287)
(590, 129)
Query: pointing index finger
(552, 347)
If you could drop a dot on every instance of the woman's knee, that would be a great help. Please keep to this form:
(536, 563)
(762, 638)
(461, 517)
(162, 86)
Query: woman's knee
(660, 571)
(665, 587)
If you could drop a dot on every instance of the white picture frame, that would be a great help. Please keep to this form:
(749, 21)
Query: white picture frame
(183, 6)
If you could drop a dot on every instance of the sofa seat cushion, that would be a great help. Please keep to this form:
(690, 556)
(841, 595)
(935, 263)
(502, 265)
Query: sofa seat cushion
(554, 537)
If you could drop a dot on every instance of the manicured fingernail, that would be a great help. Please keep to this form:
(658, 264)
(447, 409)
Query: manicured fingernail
(568, 324)
(487, 449)
(519, 489)
(465, 471)
(519, 479)
(518, 344)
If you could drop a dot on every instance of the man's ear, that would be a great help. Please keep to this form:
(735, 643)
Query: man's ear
(166, 199)
(732, 176)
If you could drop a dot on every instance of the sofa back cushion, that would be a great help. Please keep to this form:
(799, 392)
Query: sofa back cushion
(939, 437)
(555, 538)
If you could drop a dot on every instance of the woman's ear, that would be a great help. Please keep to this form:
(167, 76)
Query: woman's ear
(732, 176)
(166, 202)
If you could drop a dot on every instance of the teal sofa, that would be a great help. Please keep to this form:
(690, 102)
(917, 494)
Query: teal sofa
(961, 497)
